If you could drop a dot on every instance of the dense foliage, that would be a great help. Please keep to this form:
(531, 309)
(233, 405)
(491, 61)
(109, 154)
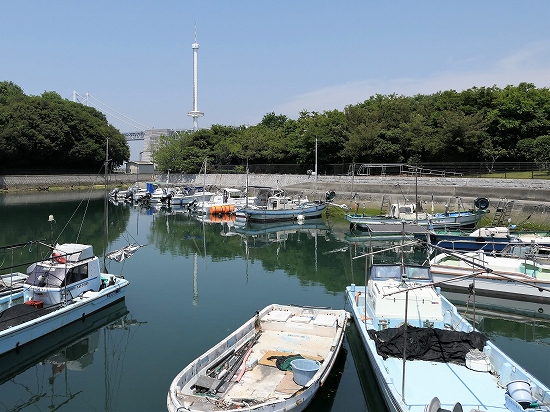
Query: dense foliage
(50, 133)
(476, 125)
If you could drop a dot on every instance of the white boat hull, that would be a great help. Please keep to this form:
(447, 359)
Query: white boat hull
(501, 285)
(412, 386)
(90, 302)
(282, 330)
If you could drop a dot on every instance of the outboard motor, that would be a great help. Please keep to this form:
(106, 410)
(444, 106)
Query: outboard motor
(330, 195)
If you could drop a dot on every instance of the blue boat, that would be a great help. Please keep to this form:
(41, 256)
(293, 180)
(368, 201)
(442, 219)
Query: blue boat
(410, 214)
(426, 356)
(274, 205)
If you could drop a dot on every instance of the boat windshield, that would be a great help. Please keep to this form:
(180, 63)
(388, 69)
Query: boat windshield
(395, 272)
(386, 272)
(418, 272)
(46, 276)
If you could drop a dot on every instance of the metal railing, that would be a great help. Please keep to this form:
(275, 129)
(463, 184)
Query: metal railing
(526, 170)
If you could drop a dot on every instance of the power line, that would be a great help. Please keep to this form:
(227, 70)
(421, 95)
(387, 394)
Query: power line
(110, 112)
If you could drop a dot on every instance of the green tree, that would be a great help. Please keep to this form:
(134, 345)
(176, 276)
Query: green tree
(48, 132)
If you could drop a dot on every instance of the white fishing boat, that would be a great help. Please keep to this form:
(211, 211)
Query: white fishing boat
(187, 195)
(275, 362)
(517, 279)
(426, 357)
(64, 288)
(55, 344)
(228, 200)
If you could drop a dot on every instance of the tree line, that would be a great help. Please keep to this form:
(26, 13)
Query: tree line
(480, 124)
(48, 132)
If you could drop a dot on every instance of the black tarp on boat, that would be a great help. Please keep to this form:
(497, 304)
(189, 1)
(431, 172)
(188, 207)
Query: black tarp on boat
(427, 344)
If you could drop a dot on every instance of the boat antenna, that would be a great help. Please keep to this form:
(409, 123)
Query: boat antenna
(52, 221)
(105, 205)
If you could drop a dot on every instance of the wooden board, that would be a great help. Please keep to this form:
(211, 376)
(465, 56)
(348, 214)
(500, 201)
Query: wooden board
(287, 385)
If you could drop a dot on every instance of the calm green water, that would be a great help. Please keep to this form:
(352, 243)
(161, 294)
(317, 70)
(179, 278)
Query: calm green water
(190, 286)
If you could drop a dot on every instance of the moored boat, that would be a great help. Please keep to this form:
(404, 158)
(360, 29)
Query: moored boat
(503, 277)
(426, 356)
(64, 288)
(410, 214)
(228, 200)
(276, 361)
(274, 205)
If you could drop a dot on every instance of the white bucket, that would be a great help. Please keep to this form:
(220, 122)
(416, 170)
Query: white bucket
(303, 370)
(520, 391)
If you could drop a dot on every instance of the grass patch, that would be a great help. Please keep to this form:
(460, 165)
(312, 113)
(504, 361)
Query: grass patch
(535, 174)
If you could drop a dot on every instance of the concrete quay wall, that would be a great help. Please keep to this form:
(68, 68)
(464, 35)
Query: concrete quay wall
(348, 189)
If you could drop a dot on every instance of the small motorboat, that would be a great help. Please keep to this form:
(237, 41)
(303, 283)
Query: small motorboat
(275, 362)
(66, 287)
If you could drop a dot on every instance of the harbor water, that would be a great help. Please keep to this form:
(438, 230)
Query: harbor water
(192, 283)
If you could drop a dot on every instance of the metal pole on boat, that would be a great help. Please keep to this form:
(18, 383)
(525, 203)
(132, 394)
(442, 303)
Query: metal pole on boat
(416, 193)
(406, 314)
(474, 292)
(316, 173)
(246, 201)
(11, 280)
(105, 205)
(405, 345)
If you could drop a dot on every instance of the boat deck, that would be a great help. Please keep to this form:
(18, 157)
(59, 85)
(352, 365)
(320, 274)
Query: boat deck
(262, 380)
(451, 383)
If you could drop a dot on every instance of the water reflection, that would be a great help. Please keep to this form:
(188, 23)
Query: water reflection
(324, 398)
(195, 281)
(40, 374)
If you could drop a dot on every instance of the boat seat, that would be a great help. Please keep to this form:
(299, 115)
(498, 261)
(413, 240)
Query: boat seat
(277, 315)
(326, 320)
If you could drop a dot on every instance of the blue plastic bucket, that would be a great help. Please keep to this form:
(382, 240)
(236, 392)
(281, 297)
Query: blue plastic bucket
(303, 370)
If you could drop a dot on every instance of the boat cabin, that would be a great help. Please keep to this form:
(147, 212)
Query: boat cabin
(394, 289)
(71, 270)
(276, 199)
(404, 211)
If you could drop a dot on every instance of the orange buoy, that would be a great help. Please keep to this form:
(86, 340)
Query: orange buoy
(58, 258)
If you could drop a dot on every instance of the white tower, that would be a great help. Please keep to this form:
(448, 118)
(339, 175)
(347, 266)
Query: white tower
(195, 114)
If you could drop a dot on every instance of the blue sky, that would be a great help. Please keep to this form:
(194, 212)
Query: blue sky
(257, 57)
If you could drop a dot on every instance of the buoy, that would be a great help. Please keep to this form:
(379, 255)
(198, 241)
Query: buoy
(58, 258)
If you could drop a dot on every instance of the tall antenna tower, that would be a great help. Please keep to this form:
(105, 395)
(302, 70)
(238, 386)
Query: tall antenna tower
(195, 114)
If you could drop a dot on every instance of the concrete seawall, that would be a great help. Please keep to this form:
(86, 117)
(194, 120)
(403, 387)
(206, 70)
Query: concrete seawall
(348, 189)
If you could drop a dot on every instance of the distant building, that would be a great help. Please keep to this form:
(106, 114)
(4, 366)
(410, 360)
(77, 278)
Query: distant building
(140, 168)
(150, 142)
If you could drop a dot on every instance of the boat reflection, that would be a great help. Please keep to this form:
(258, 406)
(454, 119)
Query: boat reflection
(371, 391)
(324, 398)
(280, 231)
(57, 355)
